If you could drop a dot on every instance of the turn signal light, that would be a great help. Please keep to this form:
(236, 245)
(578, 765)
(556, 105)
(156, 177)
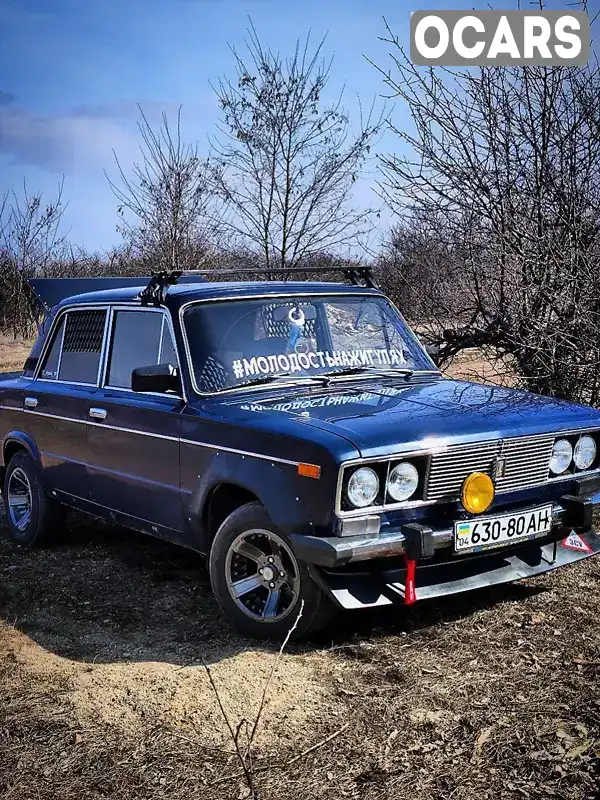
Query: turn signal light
(477, 493)
(309, 471)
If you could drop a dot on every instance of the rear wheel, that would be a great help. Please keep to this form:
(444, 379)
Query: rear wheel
(259, 583)
(32, 517)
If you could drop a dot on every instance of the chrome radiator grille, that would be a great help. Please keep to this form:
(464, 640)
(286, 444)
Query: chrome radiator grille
(526, 464)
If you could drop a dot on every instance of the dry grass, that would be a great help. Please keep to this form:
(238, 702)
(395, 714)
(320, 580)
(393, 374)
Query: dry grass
(493, 694)
(13, 353)
(472, 365)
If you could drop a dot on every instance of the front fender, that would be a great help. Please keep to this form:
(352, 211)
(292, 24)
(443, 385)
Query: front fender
(274, 484)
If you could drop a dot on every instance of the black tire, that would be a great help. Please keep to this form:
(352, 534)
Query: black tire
(45, 517)
(318, 608)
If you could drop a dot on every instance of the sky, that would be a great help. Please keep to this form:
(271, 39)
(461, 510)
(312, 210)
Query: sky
(73, 71)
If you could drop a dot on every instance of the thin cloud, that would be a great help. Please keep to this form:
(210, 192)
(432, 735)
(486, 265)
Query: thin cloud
(125, 109)
(62, 142)
(83, 138)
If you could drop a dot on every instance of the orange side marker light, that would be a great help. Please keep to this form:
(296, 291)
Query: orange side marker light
(309, 471)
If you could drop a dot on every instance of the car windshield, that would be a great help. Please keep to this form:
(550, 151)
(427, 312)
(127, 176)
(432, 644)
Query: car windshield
(240, 342)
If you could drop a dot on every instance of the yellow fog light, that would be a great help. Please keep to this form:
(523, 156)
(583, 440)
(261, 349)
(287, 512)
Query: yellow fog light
(477, 492)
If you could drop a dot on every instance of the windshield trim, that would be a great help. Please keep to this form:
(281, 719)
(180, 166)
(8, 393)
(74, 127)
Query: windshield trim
(248, 387)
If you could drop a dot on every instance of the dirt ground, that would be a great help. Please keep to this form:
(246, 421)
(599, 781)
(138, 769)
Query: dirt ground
(104, 693)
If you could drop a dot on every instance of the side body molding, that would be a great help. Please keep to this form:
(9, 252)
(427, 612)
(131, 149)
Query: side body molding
(274, 484)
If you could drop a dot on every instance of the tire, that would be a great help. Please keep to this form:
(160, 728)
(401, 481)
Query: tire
(246, 543)
(34, 522)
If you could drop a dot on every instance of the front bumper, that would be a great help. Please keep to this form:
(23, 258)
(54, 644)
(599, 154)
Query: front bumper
(572, 512)
(396, 575)
(387, 587)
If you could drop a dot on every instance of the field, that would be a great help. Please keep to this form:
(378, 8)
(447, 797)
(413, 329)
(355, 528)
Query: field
(105, 640)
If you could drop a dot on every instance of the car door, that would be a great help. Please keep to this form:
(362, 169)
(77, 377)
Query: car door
(57, 400)
(133, 438)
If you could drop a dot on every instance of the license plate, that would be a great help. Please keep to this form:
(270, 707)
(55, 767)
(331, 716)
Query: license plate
(487, 532)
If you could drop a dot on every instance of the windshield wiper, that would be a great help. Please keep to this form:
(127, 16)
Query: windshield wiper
(324, 379)
(406, 372)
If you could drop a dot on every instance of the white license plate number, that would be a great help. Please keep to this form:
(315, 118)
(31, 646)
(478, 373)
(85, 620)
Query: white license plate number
(487, 532)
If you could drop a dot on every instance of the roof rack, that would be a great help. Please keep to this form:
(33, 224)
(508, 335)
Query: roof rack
(158, 285)
(156, 290)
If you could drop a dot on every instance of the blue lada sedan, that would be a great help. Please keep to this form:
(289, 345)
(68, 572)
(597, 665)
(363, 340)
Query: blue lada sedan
(299, 435)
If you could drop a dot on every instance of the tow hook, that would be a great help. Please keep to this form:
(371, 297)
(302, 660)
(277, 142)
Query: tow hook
(418, 545)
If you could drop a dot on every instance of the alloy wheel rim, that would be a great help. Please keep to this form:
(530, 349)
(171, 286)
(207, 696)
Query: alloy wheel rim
(262, 574)
(19, 499)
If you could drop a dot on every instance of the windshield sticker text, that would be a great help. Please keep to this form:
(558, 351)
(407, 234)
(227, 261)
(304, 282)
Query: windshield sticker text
(296, 362)
(367, 398)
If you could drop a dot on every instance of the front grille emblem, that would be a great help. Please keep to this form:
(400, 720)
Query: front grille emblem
(499, 468)
(499, 463)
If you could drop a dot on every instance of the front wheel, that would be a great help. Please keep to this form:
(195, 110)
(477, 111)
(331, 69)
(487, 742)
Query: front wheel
(259, 583)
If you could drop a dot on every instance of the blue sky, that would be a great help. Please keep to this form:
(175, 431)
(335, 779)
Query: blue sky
(72, 71)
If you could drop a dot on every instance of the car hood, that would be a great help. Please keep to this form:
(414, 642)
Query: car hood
(380, 418)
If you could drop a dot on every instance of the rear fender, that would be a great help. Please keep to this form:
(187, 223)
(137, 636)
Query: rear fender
(16, 440)
(275, 486)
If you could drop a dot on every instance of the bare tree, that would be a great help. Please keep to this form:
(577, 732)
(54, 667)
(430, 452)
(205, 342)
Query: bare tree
(420, 268)
(31, 245)
(166, 205)
(506, 163)
(288, 162)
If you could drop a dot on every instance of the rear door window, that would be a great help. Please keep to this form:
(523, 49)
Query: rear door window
(139, 339)
(82, 346)
(74, 355)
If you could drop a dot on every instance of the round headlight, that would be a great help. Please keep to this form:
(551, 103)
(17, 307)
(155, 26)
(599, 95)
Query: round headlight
(363, 487)
(585, 452)
(477, 492)
(562, 454)
(403, 481)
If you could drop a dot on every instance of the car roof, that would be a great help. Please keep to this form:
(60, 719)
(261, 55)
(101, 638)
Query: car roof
(183, 293)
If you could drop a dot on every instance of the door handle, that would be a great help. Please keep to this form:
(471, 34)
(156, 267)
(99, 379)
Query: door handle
(30, 402)
(98, 413)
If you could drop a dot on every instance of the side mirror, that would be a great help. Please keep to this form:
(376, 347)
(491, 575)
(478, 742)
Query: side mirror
(158, 378)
